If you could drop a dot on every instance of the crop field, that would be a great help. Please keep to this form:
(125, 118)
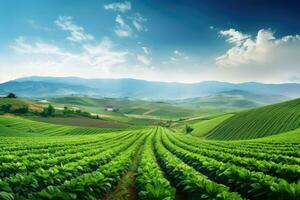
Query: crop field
(259, 122)
(153, 163)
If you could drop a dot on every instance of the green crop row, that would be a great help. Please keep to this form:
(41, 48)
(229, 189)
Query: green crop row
(23, 184)
(247, 153)
(150, 180)
(93, 185)
(291, 173)
(253, 185)
(56, 159)
(193, 183)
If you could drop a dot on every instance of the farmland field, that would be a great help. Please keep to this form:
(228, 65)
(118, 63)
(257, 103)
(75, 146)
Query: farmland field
(150, 100)
(66, 162)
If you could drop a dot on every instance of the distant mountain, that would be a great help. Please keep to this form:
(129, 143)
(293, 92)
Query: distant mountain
(257, 97)
(37, 86)
(232, 99)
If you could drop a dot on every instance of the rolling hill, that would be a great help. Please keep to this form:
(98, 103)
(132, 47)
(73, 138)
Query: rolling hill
(203, 127)
(139, 89)
(259, 122)
(232, 99)
(122, 106)
(13, 126)
(19, 103)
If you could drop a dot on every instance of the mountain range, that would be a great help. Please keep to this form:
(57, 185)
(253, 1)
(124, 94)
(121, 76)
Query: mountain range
(40, 87)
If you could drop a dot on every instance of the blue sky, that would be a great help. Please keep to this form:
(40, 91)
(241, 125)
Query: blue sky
(170, 40)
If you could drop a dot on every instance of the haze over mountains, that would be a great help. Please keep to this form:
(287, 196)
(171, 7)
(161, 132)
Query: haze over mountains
(39, 87)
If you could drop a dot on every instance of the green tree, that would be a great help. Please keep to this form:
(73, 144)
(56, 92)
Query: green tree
(66, 110)
(48, 111)
(22, 110)
(11, 96)
(6, 108)
(188, 129)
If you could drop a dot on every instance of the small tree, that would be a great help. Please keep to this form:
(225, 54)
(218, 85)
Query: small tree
(48, 111)
(66, 110)
(6, 108)
(188, 129)
(11, 96)
(22, 110)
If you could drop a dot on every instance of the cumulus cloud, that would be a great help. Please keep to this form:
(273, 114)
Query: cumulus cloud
(118, 6)
(263, 57)
(234, 36)
(122, 29)
(77, 33)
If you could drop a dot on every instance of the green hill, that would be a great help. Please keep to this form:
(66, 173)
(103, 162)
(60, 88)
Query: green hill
(203, 127)
(18, 126)
(259, 122)
(18, 103)
(122, 106)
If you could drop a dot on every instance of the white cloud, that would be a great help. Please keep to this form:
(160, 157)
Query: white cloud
(178, 53)
(119, 6)
(137, 22)
(122, 29)
(143, 59)
(234, 36)
(146, 50)
(77, 33)
(262, 58)
(101, 55)
(39, 47)
(177, 57)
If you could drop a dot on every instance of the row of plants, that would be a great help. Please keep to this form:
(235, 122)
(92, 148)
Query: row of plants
(193, 184)
(150, 179)
(291, 173)
(11, 144)
(246, 153)
(23, 184)
(291, 151)
(252, 185)
(42, 128)
(56, 159)
(45, 150)
(93, 185)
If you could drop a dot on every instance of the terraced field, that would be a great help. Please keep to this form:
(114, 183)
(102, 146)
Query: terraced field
(152, 164)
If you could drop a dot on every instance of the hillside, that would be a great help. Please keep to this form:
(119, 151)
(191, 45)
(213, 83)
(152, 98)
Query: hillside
(119, 108)
(19, 103)
(18, 126)
(133, 88)
(203, 127)
(259, 122)
(232, 99)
